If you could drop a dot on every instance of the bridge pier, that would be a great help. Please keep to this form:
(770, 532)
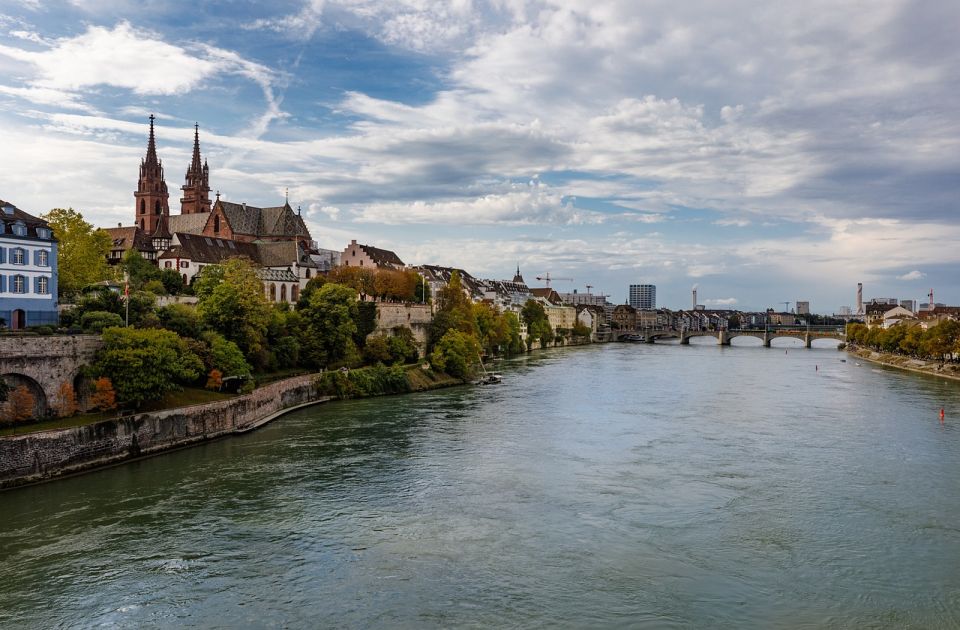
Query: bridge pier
(808, 340)
(723, 338)
(766, 340)
(684, 339)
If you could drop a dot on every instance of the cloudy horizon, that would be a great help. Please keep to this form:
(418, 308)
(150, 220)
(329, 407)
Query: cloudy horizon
(765, 151)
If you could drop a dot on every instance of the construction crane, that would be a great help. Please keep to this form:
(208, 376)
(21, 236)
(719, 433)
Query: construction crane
(546, 277)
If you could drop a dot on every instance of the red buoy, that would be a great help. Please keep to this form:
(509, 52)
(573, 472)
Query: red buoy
(941, 414)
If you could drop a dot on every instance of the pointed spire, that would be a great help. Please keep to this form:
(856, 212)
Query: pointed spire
(195, 165)
(151, 146)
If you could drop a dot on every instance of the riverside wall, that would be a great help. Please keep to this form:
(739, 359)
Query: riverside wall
(44, 455)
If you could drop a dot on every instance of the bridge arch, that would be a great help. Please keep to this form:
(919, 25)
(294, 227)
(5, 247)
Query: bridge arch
(796, 336)
(40, 404)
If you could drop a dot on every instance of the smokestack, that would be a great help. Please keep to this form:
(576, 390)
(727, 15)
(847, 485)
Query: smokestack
(859, 298)
(694, 307)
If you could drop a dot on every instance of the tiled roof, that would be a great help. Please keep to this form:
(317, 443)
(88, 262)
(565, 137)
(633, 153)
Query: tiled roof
(129, 237)
(209, 250)
(382, 257)
(442, 274)
(283, 254)
(277, 275)
(264, 222)
(16, 214)
(189, 223)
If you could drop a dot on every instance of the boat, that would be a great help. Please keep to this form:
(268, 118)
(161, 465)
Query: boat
(488, 378)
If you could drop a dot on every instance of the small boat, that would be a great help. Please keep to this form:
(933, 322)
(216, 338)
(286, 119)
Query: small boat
(488, 378)
(843, 360)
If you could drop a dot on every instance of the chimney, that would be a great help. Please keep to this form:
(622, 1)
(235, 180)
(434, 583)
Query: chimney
(694, 299)
(859, 298)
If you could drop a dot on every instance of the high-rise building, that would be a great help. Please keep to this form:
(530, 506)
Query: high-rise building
(803, 308)
(643, 296)
(910, 305)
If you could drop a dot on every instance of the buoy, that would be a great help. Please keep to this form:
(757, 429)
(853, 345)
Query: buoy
(816, 368)
(941, 415)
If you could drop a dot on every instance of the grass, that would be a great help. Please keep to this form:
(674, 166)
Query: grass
(189, 396)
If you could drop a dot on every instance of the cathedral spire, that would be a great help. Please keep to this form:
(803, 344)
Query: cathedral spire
(150, 199)
(196, 189)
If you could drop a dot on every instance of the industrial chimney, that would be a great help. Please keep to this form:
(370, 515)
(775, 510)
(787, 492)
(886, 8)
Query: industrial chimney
(694, 307)
(859, 298)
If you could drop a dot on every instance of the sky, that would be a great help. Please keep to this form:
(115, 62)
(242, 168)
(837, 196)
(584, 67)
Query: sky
(764, 152)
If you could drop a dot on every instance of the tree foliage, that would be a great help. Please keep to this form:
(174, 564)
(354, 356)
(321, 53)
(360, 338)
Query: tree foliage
(104, 397)
(21, 404)
(65, 402)
(145, 364)
(538, 325)
(81, 251)
(331, 315)
(940, 342)
(231, 302)
(455, 353)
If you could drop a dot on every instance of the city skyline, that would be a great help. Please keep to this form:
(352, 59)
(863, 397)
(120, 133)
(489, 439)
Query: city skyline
(587, 140)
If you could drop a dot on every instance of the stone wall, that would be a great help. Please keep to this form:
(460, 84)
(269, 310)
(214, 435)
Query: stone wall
(417, 317)
(38, 456)
(48, 361)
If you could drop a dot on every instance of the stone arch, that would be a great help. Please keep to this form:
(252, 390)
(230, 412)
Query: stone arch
(83, 390)
(773, 338)
(40, 405)
(833, 343)
(273, 292)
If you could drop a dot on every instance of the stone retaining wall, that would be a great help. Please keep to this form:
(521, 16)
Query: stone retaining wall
(44, 455)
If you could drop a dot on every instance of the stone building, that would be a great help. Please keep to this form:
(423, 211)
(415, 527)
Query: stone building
(357, 255)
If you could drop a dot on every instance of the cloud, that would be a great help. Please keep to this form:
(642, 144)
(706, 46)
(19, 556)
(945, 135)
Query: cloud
(122, 57)
(721, 302)
(913, 275)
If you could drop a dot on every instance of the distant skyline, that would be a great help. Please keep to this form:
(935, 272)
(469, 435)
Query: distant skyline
(763, 151)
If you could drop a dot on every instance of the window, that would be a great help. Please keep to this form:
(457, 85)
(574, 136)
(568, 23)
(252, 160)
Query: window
(43, 285)
(143, 207)
(19, 284)
(283, 293)
(43, 232)
(18, 257)
(43, 258)
(308, 274)
(167, 264)
(184, 264)
(216, 224)
(19, 229)
(156, 207)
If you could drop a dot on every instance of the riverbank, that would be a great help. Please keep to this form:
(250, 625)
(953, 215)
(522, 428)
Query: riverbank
(932, 368)
(45, 455)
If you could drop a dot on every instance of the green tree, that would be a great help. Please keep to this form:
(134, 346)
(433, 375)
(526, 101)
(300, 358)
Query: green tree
(96, 321)
(181, 319)
(145, 364)
(538, 325)
(455, 353)
(81, 251)
(172, 281)
(377, 350)
(235, 306)
(225, 356)
(331, 316)
(139, 270)
(454, 311)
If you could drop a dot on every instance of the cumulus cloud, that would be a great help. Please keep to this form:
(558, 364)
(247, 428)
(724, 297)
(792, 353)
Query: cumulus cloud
(913, 275)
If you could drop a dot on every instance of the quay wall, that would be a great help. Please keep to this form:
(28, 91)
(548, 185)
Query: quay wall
(44, 455)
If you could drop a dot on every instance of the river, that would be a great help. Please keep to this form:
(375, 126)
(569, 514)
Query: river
(645, 486)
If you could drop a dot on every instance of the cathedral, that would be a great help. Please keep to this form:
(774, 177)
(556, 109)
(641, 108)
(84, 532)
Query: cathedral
(204, 233)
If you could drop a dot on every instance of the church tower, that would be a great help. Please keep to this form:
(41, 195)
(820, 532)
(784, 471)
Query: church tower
(196, 190)
(152, 209)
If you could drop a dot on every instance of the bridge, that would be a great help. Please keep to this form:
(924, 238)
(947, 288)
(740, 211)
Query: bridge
(44, 363)
(724, 337)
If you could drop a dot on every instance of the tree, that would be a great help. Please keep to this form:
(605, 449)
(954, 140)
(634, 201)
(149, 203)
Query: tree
(20, 406)
(235, 305)
(104, 398)
(455, 353)
(96, 321)
(214, 380)
(145, 364)
(139, 270)
(65, 403)
(81, 251)
(225, 356)
(454, 312)
(538, 325)
(172, 281)
(377, 350)
(331, 316)
(181, 319)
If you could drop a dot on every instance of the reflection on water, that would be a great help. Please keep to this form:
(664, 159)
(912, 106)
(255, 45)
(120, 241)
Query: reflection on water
(649, 486)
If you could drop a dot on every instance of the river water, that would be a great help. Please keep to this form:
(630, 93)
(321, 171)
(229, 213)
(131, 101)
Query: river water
(641, 486)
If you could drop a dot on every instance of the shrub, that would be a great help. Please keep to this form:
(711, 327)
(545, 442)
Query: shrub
(96, 321)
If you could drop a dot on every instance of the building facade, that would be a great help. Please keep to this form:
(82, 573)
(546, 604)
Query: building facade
(643, 296)
(28, 270)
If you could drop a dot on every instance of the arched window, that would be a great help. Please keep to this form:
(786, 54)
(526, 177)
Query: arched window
(143, 207)
(141, 224)
(295, 293)
(184, 278)
(216, 224)
(308, 274)
(283, 293)
(156, 207)
(273, 292)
